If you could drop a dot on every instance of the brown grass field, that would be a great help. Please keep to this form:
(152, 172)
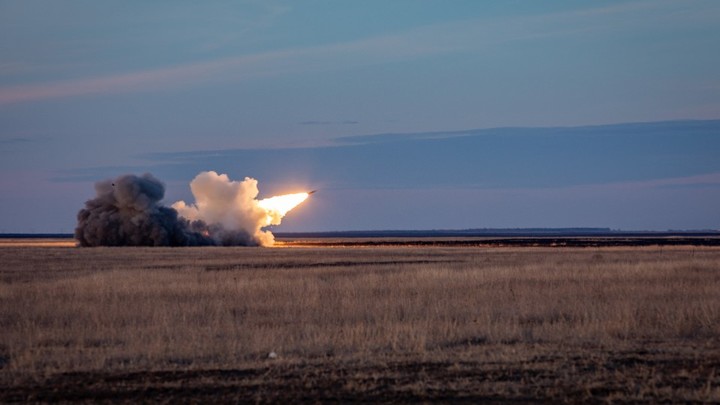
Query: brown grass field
(360, 323)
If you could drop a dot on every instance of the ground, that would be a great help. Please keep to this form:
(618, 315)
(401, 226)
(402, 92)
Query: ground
(360, 323)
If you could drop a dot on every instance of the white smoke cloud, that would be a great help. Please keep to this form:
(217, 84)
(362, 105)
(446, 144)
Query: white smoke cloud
(230, 204)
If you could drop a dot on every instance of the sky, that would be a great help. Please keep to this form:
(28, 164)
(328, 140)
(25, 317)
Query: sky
(410, 114)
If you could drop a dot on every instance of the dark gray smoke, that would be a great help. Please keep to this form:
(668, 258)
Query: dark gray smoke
(127, 212)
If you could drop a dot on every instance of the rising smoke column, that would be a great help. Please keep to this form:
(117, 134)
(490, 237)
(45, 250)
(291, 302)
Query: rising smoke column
(231, 208)
(126, 212)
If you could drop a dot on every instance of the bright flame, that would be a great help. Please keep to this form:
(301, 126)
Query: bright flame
(277, 207)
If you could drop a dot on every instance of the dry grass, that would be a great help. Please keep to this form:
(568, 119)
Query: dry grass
(127, 309)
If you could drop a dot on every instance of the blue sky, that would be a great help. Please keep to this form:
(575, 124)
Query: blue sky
(304, 94)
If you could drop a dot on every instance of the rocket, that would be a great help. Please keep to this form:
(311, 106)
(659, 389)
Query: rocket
(312, 192)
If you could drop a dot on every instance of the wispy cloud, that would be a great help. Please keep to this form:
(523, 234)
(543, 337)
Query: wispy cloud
(234, 68)
(462, 36)
(129, 82)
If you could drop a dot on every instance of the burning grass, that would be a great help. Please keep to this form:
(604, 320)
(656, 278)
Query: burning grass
(610, 323)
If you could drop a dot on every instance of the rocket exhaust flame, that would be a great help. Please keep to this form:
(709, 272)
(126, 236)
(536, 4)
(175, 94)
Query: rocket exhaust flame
(277, 207)
(127, 212)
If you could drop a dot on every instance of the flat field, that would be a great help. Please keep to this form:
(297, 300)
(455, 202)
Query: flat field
(376, 323)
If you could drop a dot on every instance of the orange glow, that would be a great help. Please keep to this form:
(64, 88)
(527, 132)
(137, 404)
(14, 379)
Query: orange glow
(276, 207)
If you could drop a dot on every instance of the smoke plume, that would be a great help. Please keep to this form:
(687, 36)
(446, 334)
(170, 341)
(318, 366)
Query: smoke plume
(231, 208)
(127, 212)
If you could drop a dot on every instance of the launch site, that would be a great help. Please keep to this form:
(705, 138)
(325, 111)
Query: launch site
(398, 201)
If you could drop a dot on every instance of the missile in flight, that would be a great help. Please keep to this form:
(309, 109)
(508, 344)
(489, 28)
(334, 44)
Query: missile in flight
(312, 192)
